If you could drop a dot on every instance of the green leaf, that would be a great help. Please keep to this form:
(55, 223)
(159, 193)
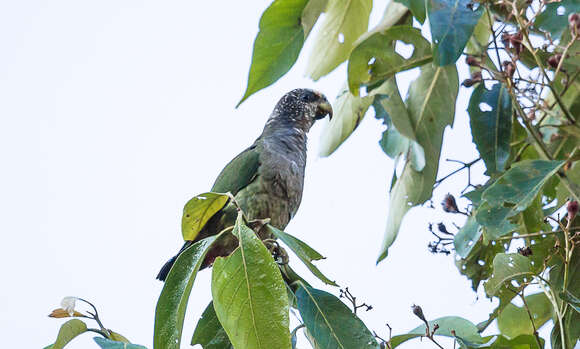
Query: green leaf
(467, 237)
(508, 267)
(277, 44)
(68, 331)
(491, 129)
(554, 18)
(306, 253)
(521, 183)
(198, 211)
(389, 107)
(501, 342)
(512, 193)
(118, 337)
(480, 38)
(209, 332)
(571, 299)
(374, 59)
(249, 295)
(463, 328)
(349, 110)
(478, 264)
(431, 106)
(452, 23)
(514, 321)
(330, 322)
(417, 7)
(344, 22)
(311, 13)
(172, 303)
(105, 343)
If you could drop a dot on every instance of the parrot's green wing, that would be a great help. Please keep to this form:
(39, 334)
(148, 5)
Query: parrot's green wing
(242, 170)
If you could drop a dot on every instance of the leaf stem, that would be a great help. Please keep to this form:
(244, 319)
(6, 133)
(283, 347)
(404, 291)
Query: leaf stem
(536, 335)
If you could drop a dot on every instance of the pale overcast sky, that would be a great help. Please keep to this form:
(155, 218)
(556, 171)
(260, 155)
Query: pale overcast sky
(115, 113)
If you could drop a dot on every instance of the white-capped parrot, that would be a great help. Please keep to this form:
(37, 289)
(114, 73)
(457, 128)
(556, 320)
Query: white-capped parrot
(267, 178)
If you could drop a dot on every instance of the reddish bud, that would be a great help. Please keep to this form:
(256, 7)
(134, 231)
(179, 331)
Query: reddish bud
(554, 60)
(574, 21)
(572, 209)
(449, 204)
(509, 68)
(472, 61)
(476, 76)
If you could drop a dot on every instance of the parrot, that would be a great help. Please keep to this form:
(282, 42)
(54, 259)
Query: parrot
(267, 179)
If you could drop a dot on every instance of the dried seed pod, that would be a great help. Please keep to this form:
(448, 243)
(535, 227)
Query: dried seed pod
(418, 312)
(449, 204)
(472, 61)
(468, 83)
(509, 69)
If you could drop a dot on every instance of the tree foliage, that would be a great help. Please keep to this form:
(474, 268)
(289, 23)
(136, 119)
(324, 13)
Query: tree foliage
(524, 63)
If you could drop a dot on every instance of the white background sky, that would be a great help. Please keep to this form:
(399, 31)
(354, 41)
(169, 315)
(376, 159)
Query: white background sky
(114, 113)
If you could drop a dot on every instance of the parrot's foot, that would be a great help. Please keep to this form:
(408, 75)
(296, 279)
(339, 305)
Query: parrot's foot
(279, 253)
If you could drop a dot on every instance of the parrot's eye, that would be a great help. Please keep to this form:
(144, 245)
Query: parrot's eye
(309, 97)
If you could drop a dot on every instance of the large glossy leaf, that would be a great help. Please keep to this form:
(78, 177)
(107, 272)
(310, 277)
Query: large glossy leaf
(278, 43)
(462, 328)
(209, 332)
(249, 295)
(172, 303)
(467, 237)
(198, 211)
(330, 322)
(393, 142)
(344, 22)
(514, 321)
(306, 253)
(374, 59)
(105, 343)
(521, 183)
(517, 188)
(491, 129)
(68, 331)
(554, 18)
(508, 267)
(452, 23)
(431, 106)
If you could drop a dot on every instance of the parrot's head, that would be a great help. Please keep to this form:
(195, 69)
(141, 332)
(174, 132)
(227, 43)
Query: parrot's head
(302, 107)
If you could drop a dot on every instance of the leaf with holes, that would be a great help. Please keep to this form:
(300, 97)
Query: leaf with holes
(521, 183)
(514, 321)
(330, 322)
(344, 22)
(554, 18)
(463, 328)
(172, 303)
(508, 267)
(491, 128)
(306, 253)
(431, 106)
(478, 264)
(68, 331)
(249, 295)
(209, 332)
(452, 23)
(198, 211)
(284, 26)
(375, 59)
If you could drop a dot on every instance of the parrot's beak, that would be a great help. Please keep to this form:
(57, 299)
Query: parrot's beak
(323, 109)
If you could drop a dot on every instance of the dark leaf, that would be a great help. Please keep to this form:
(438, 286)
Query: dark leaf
(209, 332)
(452, 23)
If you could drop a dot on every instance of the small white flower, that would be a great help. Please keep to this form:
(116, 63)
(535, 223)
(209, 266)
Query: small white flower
(68, 304)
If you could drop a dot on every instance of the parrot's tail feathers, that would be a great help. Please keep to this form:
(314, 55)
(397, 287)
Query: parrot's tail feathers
(165, 269)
